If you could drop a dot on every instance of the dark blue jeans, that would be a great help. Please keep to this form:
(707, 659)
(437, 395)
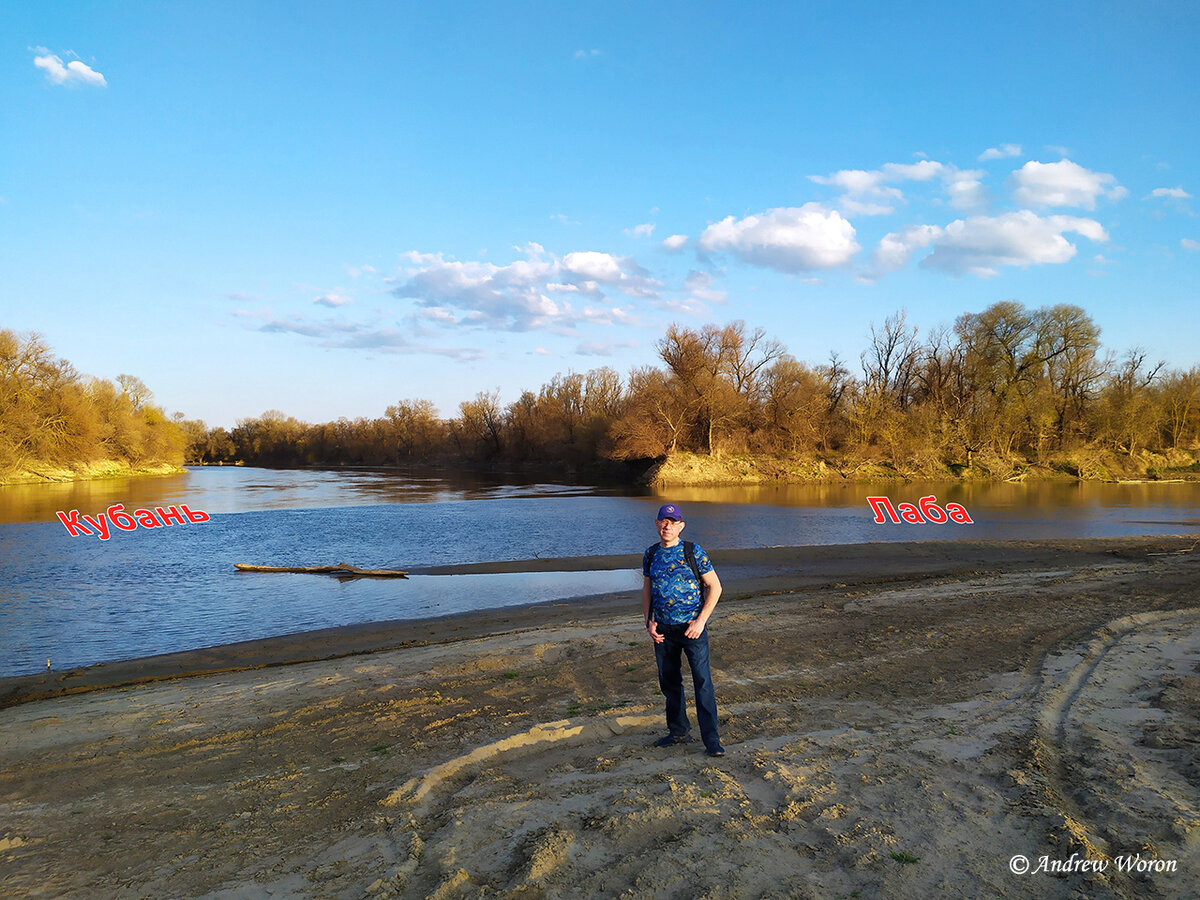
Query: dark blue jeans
(670, 680)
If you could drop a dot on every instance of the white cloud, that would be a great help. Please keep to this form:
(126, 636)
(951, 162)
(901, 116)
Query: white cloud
(1189, 244)
(1004, 151)
(685, 306)
(1175, 193)
(868, 182)
(789, 239)
(526, 294)
(853, 181)
(354, 335)
(896, 249)
(866, 193)
(74, 72)
(980, 245)
(586, 54)
(439, 314)
(869, 192)
(1063, 183)
(925, 170)
(638, 231)
(675, 242)
(332, 299)
(853, 206)
(608, 315)
(965, 189)
(595, 348)
(700, 286)
(593, 265)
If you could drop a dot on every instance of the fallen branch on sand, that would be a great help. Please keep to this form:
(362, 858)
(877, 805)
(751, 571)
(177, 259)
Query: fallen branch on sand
(1170, 552)
(342, 569)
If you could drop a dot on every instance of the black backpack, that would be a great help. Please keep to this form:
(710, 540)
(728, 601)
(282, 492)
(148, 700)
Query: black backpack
(689, 553)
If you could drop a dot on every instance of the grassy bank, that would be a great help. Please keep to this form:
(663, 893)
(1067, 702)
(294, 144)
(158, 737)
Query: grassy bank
(693, 469)
(42, 473)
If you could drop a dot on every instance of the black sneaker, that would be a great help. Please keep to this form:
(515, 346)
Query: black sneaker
(671, 740)
(715, 751)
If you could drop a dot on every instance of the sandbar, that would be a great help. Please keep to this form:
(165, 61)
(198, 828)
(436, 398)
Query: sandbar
(902, 720)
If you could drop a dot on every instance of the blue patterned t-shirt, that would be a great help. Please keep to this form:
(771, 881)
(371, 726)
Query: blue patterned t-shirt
(675, 595)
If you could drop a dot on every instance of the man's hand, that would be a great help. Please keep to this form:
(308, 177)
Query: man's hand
(652, 627)
(694, 630)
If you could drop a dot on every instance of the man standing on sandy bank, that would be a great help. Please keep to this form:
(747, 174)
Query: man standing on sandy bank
(680, 590)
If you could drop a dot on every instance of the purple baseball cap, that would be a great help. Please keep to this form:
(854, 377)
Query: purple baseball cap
(670, 511)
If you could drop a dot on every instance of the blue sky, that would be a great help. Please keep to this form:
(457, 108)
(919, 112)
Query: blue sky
(325, 208)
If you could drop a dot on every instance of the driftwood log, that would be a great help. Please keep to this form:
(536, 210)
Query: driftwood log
(342, 570)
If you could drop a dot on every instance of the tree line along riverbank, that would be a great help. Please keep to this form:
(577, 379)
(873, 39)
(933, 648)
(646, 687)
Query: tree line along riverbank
(59, 425)
(1005, 393)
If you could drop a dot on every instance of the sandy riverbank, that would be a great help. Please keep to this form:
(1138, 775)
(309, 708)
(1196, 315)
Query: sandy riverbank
(44, 473)
(680, 469)
(902, 720)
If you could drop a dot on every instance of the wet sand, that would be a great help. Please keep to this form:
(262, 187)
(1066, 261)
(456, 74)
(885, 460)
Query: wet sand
(901, 720)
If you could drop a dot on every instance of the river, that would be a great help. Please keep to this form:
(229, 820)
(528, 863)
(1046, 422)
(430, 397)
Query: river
(78, 600)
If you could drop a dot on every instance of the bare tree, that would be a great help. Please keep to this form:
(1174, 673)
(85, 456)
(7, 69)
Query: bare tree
(889, 363)
(1066, 344)
(1128, 416)
(1180, 399)
(657, 413)
(481, 421)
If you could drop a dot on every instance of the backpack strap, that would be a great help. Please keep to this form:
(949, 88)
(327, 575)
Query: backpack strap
(689, 553)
